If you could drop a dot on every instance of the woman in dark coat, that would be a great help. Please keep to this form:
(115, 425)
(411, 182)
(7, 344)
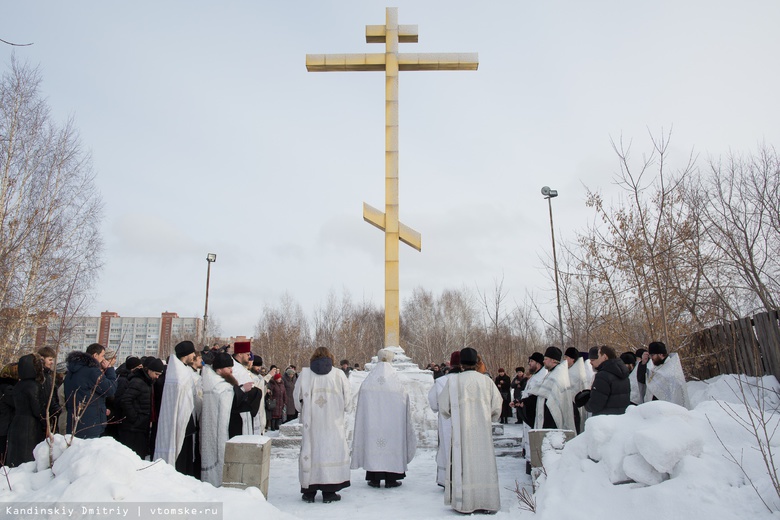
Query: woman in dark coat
(27, 427)
(278, 392)
(503, 382)
(289, 378)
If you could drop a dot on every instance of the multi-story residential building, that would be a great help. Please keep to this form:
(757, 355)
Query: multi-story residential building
(126, 336)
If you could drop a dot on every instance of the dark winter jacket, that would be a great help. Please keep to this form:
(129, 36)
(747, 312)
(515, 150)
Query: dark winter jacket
(610, 393)
(85, 375)
(27, 427)
(135, 405)
(502, 383)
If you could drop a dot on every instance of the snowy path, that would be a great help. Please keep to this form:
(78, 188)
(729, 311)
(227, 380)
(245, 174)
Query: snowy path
(418, 497)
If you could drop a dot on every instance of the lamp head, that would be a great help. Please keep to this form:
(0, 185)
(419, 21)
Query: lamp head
(211, 257)
(547, 192)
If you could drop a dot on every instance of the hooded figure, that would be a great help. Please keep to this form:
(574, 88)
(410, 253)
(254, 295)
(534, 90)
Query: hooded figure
(28, 425)
(87, 386)
(322, 395)
(384, 440)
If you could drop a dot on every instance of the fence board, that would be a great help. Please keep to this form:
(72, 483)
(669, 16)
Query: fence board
(744, 346)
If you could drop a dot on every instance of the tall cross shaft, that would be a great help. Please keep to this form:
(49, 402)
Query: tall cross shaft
(391, 34)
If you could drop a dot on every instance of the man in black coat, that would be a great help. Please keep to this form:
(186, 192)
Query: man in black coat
(610, 393)
(91, 378)
(137, 405)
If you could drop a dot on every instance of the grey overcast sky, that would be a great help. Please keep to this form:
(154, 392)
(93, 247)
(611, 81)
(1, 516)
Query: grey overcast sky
(208, 134)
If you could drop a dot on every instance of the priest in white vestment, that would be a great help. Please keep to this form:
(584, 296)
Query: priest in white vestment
(555, 402)
(384, 441)
(444, 423)
(528, 402)
(578, 379)
(259, 420)
(665, 378)
(182, 400)
(473, 402)
(223, 402)
(322, 395)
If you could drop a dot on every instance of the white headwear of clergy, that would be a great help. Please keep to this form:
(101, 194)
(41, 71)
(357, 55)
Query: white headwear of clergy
(385, 355)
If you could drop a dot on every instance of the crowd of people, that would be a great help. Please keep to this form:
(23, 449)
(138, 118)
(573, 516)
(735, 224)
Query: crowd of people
(185, 409)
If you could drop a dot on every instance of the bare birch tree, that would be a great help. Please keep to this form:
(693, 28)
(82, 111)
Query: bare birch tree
(50, 209)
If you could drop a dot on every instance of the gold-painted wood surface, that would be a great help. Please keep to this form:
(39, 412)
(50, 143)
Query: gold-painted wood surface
(391, 62)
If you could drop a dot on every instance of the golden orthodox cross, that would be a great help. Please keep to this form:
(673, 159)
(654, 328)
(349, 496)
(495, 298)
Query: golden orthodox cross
(391, 34)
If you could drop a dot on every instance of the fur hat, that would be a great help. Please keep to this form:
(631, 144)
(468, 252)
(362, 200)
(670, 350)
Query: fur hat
(468, 356)
(629, 358)
(572, 353)
(553, 353)
(241, 347)
(656, 347)
(185, 348)
(154, 364)
(222, 360)
(537, 356)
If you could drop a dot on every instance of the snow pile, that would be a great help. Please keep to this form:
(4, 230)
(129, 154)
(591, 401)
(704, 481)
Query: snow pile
(758, 391)
(660, 460)
(103, 470)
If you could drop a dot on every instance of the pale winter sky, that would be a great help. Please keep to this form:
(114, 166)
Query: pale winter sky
(209, 135)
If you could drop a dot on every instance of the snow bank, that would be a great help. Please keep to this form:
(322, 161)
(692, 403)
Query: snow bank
(103, 470)
(660, 460)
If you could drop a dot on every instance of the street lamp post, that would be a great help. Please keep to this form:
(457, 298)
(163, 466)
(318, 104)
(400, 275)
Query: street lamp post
(550, 194)
(210, 258)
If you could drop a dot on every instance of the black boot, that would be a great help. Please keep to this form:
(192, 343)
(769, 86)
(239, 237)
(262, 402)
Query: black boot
(309, 497)
(327, 498)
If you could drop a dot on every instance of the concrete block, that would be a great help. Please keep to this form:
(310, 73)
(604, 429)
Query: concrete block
(232, 473)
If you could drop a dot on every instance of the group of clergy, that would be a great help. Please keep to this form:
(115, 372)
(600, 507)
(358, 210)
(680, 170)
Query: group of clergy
(563, 388)
(201, 411)
(226, 399)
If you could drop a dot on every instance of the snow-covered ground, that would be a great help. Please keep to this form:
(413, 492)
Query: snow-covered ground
(657, 461)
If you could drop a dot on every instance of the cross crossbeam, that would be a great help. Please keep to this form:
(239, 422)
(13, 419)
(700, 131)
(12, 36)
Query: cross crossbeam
(391, 62)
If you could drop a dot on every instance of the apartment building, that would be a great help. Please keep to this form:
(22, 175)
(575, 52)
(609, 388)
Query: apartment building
(127, 336)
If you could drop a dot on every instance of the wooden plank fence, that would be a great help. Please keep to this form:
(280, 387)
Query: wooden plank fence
(748, 346)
